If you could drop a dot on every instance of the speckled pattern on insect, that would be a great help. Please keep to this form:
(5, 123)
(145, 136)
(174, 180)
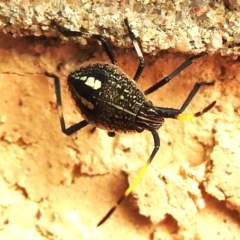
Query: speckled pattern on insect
(108, 98)
(120, 100)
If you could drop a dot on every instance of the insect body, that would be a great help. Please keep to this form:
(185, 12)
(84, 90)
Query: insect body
(108, 98)
(103, 100)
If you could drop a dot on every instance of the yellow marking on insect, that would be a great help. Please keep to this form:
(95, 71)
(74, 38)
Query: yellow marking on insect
(121, 97)
(137, 179)
(198, 114)
(185, 117)
(93, 83)
(127, 192)
(87, 103)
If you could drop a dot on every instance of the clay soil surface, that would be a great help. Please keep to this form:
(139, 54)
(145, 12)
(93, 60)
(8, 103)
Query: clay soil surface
(54, 186)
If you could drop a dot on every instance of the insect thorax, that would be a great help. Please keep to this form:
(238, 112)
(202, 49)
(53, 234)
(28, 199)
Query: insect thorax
(106, 96)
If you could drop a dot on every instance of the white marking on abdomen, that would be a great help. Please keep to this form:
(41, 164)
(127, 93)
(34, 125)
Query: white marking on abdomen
(93, 83)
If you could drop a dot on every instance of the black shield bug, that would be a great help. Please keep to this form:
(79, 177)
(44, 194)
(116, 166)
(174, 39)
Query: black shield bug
(109, 99)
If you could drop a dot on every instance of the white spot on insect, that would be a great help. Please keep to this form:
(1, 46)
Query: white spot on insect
(90, 81)
(87, 103)
(121, 97)
(93, 83)
(76, 77)
(97, 84)
(83, 78)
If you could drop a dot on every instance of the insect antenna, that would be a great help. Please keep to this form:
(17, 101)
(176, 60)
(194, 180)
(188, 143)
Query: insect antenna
(197, 114)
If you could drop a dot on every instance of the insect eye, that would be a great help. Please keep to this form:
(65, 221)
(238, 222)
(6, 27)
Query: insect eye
(139, 129)
(148, 104)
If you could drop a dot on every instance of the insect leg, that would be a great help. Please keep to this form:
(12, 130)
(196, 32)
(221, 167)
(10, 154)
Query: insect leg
(105, 43)
(165, 80)
(111, 134)
(93, 130)
(137, 179)
(138, 50)
(74, 128)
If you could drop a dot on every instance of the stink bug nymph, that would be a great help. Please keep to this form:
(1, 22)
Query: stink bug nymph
(108, 98)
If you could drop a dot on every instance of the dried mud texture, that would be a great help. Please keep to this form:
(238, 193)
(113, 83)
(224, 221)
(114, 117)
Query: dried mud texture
(185, 26)
(57, 187)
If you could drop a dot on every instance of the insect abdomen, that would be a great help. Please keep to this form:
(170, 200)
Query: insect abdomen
(106, 96)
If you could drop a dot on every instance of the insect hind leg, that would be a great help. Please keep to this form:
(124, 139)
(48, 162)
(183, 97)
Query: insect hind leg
(136, 180)
(105, 43)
